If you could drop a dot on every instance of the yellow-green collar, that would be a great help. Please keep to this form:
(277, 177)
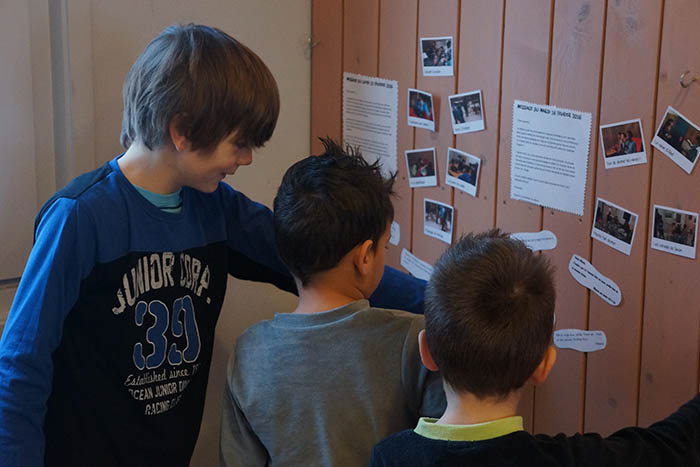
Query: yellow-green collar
(477, 432)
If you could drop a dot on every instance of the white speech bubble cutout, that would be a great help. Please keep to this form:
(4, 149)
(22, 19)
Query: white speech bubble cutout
(536, 241)
(395, 233)
(415, 266)
(578, 339)
(589, 277)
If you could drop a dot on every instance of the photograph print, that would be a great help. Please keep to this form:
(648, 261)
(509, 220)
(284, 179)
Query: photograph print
(437, 56)
(674, 231)
(678, 138)
(420, 109)
(438, 219)
(623, 144)
(421, 167)
(462, 171)
(614, 226)
(466, 112)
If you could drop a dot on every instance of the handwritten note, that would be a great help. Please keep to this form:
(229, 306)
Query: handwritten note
(578, 339)
(536, 241)
(589, 277)
(415, 266)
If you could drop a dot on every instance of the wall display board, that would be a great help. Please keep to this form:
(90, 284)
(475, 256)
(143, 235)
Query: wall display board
(617, 218)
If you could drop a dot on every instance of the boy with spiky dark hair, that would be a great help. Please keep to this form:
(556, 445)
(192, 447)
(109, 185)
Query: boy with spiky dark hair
(105, 356)
(323, 384)
(488, 329)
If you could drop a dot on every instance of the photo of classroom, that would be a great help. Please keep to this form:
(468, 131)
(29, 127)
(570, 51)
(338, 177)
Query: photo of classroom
(622, 139)
(438, 216)
(420, 105)
(421, 163)
(462, 167)
(682, 135)
(615, 221)
(437, 52)
(675, 226)
(466, 108)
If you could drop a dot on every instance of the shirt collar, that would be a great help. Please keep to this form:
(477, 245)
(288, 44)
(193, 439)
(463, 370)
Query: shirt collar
(476, 432)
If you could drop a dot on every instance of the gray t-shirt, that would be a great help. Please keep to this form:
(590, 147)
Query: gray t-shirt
(324, 388)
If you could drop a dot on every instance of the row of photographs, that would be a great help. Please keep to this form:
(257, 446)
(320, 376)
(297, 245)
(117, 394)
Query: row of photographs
(462, 169)
(672, 231)
(623, 142)
(465, 111)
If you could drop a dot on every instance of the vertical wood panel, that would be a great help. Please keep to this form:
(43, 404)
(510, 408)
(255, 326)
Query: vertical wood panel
(575, 76)
(526, 50)
(361, 36)
(669, 370)
(480, 23)
(525, 77)
(632, 31)
(397, 61)
(436, 18)
(326, 71)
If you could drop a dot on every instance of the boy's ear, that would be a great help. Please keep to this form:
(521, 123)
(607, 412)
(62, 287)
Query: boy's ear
(545, 366)
(363, 257)
(178, 138)
(425, 355)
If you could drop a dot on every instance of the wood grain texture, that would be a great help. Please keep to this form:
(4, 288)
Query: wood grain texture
(632, 30)
(326, 71)
(574, 84)
(480, 23)
(525, 76)
(669, 368)
(397, 61)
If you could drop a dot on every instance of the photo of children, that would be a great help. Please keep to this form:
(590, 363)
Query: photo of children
(623, 143)
(421, 167)
(438, 220)
(678, 138)
(614, 226)
(462, 171)
(420, 109)
(674, 231)
(437, 54)
(465, 110)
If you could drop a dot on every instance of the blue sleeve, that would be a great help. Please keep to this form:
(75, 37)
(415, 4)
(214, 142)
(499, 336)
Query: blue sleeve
(48, 289)
(254, 257)
(399, 291)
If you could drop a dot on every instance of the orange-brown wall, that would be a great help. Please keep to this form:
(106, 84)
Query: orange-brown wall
(618, 60)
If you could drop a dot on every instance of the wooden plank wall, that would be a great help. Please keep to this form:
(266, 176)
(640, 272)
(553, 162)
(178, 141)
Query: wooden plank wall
(618, 60)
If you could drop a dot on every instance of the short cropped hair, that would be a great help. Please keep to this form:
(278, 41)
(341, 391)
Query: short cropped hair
(328, 204)
(205, 80)
(489, 314)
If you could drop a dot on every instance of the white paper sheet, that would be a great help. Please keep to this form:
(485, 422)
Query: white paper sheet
(549, 156)
(370, 118)
(417, 267)
(589, 277)
(536, 241)
(395, 233)
(578, 339)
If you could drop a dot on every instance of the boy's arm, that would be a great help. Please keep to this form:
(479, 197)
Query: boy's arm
(239, 446)
(49, 287)
(423, 387)
(253, 256)
(399, 291)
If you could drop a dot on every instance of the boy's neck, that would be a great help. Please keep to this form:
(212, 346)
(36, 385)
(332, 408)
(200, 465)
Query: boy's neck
(150, 169)
(326, 291)
(464, 408)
